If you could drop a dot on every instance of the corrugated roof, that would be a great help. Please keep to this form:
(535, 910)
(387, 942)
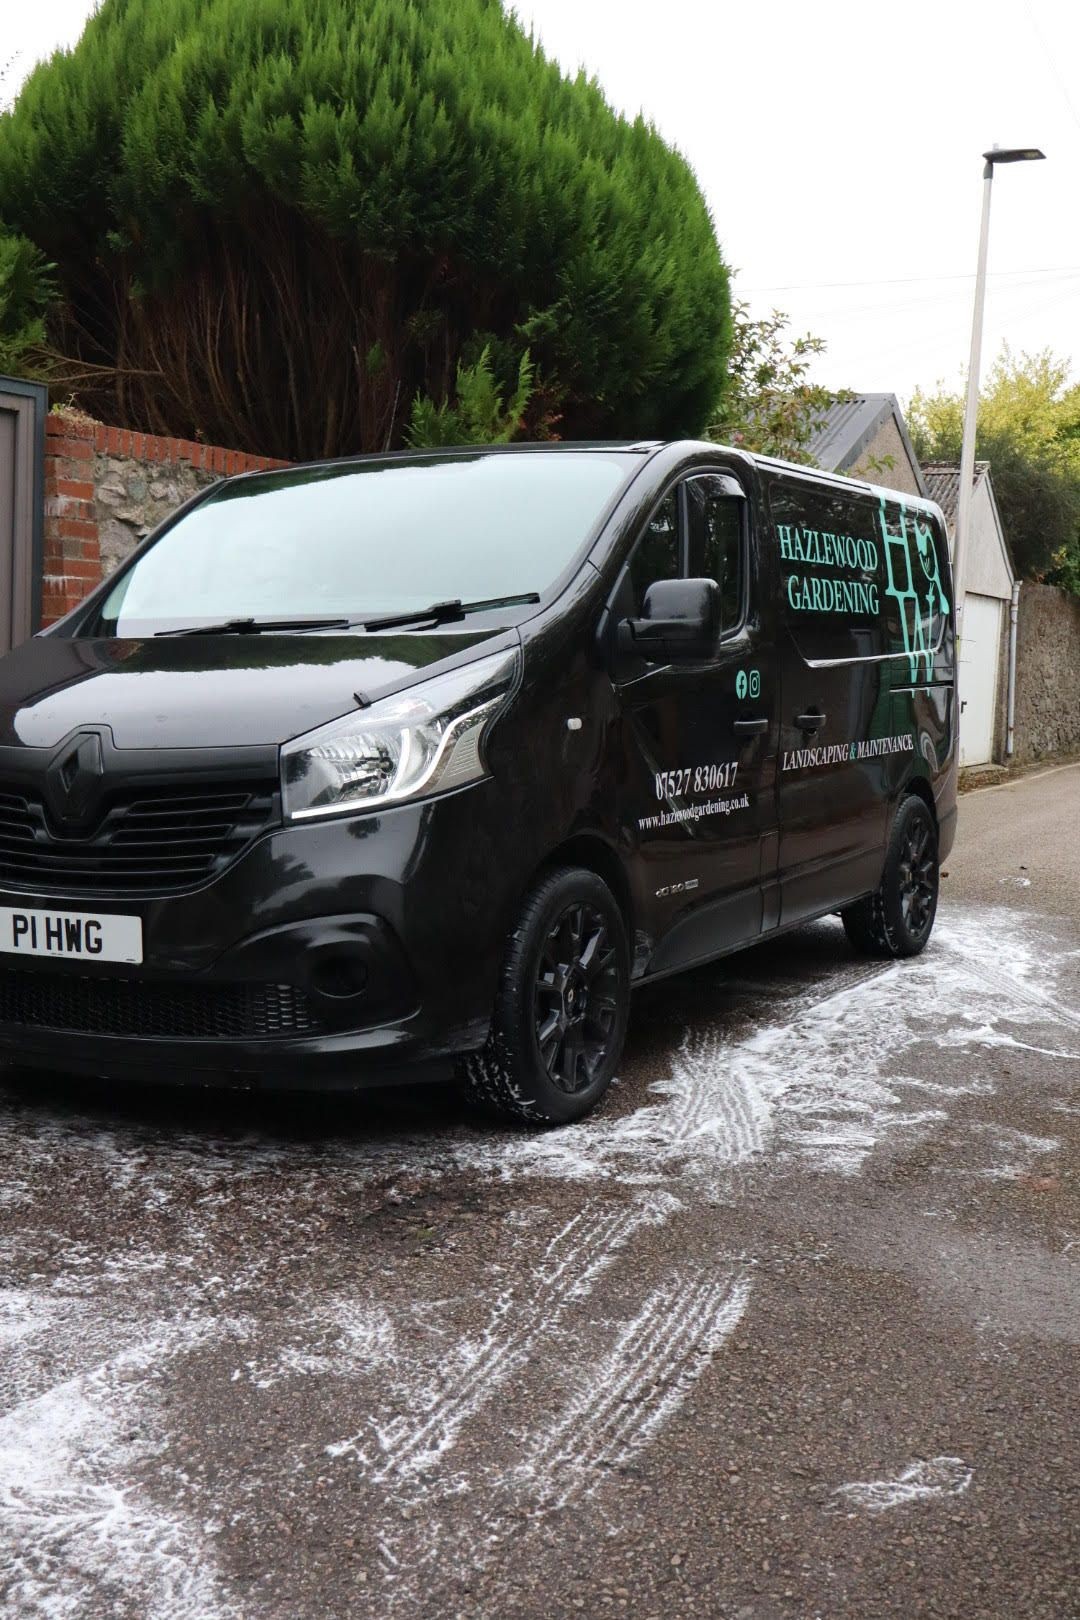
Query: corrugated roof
(943, 485)
(846, 428)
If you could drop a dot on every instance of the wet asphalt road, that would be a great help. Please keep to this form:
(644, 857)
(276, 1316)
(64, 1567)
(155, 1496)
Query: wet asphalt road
(791, 1328)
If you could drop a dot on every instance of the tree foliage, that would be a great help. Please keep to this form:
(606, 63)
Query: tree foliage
(1028, 428)
(26, 291)
(278, 221)
(477, 414)
(769, 404)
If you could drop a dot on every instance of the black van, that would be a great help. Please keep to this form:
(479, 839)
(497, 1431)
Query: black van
(416, 764)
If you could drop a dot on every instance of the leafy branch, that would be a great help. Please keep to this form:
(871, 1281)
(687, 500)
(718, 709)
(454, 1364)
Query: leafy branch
(769, 404)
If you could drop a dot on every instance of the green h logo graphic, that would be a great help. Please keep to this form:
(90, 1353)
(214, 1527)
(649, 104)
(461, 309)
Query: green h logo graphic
(914, 583)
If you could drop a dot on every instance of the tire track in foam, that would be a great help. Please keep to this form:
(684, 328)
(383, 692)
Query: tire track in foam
(825, 1086)
(572, 1261)
(821, 1081)
(711, 1113)
(624, 1399)
(719, 1110)
(814, 1083)
(656, 1360)
(1008, 985)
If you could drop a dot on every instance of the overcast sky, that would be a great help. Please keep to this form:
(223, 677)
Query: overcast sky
(838, 145)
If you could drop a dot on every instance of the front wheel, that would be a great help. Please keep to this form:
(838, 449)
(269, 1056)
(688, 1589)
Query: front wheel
(560, 1015)
(897, 920)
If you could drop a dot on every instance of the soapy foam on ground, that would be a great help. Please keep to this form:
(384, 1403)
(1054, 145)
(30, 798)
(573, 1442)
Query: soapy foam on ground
(824, 1086)
(919, 1482)
(80, 1534)
(650, 1370)
(565, 1273)
(817, 1089)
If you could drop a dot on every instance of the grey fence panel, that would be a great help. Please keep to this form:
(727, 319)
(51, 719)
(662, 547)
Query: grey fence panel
(22, 507)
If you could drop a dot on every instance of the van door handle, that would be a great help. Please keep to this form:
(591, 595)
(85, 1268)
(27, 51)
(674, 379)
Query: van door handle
(810, 722)
(751, 728)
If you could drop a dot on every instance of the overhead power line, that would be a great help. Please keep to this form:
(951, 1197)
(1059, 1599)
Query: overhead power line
(1051, 62)
(934, 338)
(929, 300)
(905, 281)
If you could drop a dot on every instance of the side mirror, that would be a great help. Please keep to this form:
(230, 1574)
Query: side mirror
(680, 623)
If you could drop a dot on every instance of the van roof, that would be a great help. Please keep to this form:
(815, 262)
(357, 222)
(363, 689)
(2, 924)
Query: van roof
(643, 447)
(820, 476)
(533, 447)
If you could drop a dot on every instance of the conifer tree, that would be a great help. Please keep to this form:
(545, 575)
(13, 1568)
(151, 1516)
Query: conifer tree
(278, 222)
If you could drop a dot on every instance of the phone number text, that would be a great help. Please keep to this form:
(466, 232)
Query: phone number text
(695, 779)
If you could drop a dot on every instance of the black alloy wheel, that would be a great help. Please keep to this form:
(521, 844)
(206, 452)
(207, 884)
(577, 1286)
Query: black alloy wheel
(917, 876)
(559, 1021)
(897, 919)
(575, 998)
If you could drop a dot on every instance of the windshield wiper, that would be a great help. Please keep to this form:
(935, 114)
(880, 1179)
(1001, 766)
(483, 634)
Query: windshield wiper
(445, 612)
(438, 613)
(255, 627)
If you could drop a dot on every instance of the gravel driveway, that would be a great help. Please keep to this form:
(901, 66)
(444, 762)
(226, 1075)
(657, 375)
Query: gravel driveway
(790, 1328)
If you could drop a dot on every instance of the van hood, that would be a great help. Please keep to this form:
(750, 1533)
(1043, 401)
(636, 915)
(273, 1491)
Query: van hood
(207, 691)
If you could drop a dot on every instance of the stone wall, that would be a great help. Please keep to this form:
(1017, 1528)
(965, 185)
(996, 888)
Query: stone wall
(1047, 673)
(132, 497)
(107, 487)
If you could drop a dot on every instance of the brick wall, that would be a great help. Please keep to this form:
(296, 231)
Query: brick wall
(105, 488)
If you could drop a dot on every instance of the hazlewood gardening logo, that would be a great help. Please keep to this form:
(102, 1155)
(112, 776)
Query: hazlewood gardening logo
(895, 576)
(846, 753)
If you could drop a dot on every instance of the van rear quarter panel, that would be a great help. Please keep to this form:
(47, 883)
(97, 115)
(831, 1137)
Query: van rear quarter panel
(866, 629)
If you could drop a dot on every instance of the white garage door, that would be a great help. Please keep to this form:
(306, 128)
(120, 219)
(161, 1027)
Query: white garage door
(980, 644)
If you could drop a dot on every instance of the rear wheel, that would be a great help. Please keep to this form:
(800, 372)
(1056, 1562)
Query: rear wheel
(897, 920)
(560, 1015)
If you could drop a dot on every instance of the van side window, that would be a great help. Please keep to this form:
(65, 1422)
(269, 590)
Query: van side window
(717, 543)
(657, 554)
(832, 578)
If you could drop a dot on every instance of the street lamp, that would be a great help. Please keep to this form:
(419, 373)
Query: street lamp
(1013, 154)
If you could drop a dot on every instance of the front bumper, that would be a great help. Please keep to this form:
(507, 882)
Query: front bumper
(355, 951)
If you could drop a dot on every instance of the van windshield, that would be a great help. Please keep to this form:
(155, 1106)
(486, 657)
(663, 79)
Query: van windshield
(363, 540)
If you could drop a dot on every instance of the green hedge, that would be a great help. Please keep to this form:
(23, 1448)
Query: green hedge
(281, 220)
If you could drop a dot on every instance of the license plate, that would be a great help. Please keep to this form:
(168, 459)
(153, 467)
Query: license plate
(73, 935)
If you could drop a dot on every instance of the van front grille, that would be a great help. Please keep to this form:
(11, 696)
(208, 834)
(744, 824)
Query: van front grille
(181, 1012)
(146, 841)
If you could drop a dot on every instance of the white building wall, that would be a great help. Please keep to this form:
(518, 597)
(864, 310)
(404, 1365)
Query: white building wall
(986, 569)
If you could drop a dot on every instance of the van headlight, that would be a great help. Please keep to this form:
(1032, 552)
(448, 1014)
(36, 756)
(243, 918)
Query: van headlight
(409, 746)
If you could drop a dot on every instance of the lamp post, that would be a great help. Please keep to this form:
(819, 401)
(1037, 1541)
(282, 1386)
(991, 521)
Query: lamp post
(1014, 154)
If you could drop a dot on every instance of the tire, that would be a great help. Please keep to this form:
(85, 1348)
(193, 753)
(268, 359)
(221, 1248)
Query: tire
(561, 1010)
(898, 919)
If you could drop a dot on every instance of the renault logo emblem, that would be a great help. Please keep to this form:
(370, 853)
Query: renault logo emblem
(74, 778)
